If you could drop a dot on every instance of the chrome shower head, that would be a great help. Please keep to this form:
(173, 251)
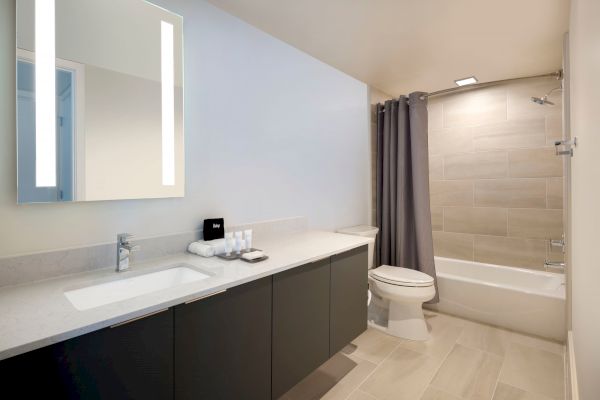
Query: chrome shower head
(542, 100)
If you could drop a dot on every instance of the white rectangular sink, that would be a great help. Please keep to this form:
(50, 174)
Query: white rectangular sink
(127, 288)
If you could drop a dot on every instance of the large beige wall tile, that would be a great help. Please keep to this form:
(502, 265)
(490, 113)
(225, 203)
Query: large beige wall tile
(437, 218)
(453, 245)
(435, 115)
(436, 167)
(476, 165)
(517, 252)
(555, 192)
(519, 95)
(450, 140)
(535, 223)
(513, 193)
(554, 129)
(478, 107)
(511, 134)
(534, 163)
(451, 193)
(483, 221)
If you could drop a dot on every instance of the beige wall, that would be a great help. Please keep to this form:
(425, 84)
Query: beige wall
(496, 185)
(585, 193)
(250, 156)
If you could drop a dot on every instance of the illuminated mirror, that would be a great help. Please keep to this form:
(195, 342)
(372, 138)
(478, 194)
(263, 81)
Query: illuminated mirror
(99, 101)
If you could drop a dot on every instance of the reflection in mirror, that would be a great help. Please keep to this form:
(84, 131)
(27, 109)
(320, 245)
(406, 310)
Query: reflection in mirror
(99, 101)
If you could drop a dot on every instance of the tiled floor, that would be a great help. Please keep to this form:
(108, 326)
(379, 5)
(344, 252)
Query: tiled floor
(463, 361)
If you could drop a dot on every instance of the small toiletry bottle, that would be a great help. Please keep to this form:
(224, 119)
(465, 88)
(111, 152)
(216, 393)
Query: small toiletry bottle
(248, 238)
(228, 243)
(238, 242)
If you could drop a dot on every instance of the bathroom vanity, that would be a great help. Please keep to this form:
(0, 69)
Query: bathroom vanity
(247, 332)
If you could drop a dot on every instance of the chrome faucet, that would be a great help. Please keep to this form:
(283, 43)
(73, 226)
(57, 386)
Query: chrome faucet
(554, 265)
(124, 250)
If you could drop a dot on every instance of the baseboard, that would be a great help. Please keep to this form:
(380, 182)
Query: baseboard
(572, 387)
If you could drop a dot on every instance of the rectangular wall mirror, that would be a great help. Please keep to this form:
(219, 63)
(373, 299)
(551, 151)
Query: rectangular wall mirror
(99, 101)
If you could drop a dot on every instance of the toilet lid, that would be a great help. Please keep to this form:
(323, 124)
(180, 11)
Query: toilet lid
(401, 276)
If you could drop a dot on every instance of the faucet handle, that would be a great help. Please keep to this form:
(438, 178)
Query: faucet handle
(124, 237)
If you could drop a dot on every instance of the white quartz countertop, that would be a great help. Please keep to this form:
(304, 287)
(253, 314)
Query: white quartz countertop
(38, 314)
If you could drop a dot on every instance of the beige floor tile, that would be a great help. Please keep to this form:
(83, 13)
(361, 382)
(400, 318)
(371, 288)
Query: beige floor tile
(374, 345)
(468, 373)
(321, 381)
(487, 378)
(485, 338)
(402, 376)
(435, 394)
(534, 370)
(444, 330)
(507, 392)
(360, 395)
(532, 341)
(350, 382)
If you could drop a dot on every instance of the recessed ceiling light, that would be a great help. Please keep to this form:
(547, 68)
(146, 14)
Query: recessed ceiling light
(466, 81)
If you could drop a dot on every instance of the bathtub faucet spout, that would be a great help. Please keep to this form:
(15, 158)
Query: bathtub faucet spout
(554, 265)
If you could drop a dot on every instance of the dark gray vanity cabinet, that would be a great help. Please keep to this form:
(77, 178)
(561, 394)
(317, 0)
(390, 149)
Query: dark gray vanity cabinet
(300, 323)
(348, 302)
(133, 360)
(223, 344)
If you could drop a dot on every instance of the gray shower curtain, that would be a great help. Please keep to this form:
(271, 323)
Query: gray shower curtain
(403, 211)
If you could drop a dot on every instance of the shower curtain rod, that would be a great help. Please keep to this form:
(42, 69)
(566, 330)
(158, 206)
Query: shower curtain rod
(557, 75)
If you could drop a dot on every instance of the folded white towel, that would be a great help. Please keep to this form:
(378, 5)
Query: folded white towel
(253, 255)
(207, 248)
(202, 249)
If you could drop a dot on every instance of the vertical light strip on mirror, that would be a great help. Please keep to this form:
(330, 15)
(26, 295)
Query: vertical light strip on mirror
(45, 94)
(168, 103)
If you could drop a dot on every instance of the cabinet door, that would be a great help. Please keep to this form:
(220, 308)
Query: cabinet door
(348, 297)
(130, 361)
(300, 323)
(223, 345)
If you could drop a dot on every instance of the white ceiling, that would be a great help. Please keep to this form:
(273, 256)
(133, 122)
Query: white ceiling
(399, 46)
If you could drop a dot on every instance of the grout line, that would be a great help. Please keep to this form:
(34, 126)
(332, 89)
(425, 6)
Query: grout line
(374, 370)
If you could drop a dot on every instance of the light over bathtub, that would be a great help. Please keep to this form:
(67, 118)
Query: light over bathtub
(518, 299)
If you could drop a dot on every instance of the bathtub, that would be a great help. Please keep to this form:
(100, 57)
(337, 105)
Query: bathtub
(518, 299)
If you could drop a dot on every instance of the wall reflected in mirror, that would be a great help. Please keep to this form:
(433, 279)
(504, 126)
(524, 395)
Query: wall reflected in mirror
(99, 101)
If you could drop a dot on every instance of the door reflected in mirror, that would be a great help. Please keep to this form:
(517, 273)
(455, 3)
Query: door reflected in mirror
(99, 101)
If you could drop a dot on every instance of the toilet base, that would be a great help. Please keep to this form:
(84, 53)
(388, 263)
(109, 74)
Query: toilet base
(406, 320)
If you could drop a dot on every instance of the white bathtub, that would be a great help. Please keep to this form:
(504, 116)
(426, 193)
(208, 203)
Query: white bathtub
(519, 299)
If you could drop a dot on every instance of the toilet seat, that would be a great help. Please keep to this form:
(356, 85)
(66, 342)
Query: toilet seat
(400, 276)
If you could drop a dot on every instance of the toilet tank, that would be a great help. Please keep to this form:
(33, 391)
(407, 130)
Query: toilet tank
(363, 230)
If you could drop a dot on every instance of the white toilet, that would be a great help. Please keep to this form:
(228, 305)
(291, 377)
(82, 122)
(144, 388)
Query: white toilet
(407, 290)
